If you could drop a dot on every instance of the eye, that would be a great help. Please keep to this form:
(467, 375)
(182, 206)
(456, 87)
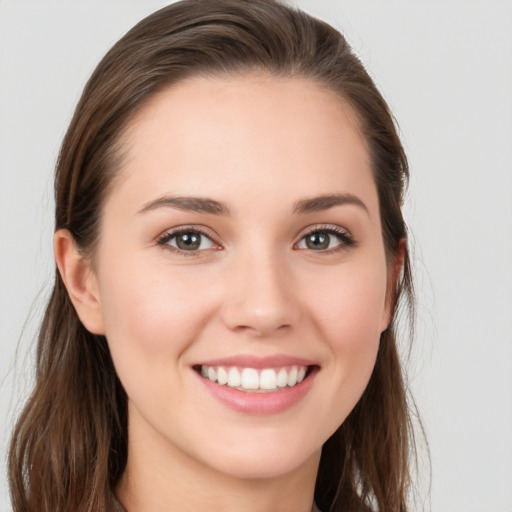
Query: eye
(186, 240)
(325, 239)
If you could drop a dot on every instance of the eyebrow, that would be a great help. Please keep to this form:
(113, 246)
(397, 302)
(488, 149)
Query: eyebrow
(324, 202)
(213, 207)
(195, 204)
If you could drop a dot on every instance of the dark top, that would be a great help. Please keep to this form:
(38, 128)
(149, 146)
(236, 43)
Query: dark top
(119, 508)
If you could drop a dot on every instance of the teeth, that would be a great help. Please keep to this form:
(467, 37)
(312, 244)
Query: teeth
(282, 378)
(250, 379)
(292, 376)
(222, 375)
(268, 379)
(234, 378)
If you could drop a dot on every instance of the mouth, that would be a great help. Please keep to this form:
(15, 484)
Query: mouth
(257, 385)
(256, 380)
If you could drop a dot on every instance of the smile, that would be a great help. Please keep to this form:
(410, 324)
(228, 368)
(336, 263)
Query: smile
(260, 386)
(262, 380)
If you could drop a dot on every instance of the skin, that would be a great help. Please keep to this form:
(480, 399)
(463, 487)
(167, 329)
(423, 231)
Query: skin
(258, 144)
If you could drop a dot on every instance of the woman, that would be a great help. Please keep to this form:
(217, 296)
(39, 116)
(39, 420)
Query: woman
(231, 255)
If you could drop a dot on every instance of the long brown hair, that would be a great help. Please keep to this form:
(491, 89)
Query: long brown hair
(69, 447)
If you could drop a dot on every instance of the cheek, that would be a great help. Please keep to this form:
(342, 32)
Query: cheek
(352, 302)
(151, 317)
(350, 315)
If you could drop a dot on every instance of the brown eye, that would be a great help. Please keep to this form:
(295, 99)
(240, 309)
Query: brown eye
(187, 241)
(318, 241)
(325, 239)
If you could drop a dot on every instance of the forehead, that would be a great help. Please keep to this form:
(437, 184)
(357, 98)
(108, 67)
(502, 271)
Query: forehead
(250, 135)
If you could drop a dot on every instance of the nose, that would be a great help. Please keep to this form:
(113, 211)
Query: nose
(260, 298)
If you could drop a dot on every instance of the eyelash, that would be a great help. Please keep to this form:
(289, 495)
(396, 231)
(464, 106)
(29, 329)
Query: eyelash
(164, 240)
(346, 239)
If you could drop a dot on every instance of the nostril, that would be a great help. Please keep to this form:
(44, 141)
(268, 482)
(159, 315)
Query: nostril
(260, 304)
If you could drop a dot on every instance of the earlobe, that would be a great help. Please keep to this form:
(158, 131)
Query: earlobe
(394, 276)
(80, 281)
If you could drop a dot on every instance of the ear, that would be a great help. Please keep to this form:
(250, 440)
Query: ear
(395, 269)
(80, 281)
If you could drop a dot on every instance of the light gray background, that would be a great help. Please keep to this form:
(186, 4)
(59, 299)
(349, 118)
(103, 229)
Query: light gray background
(445, 67)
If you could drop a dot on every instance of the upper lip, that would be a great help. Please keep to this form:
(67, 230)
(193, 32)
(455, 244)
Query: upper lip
(256, 362)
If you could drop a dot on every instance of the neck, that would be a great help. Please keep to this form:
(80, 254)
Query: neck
(160, 477)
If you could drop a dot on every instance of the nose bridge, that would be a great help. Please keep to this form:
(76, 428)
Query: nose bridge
(260, 297)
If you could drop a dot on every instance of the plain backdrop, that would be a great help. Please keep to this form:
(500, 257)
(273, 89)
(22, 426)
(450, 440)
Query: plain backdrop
(445, 68)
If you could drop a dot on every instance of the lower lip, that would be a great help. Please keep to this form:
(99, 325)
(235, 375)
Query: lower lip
(271, 402)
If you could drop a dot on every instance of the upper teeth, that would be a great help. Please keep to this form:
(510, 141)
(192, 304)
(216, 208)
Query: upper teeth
(250, 379)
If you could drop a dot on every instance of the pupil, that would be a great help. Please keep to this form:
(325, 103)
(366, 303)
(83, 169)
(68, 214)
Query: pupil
(188, 241)
(318, 241)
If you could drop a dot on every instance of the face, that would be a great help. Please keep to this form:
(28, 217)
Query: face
(241, 273)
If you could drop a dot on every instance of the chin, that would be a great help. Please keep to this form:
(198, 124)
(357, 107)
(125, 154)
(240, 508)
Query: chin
(260, 467)
(270, 458)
